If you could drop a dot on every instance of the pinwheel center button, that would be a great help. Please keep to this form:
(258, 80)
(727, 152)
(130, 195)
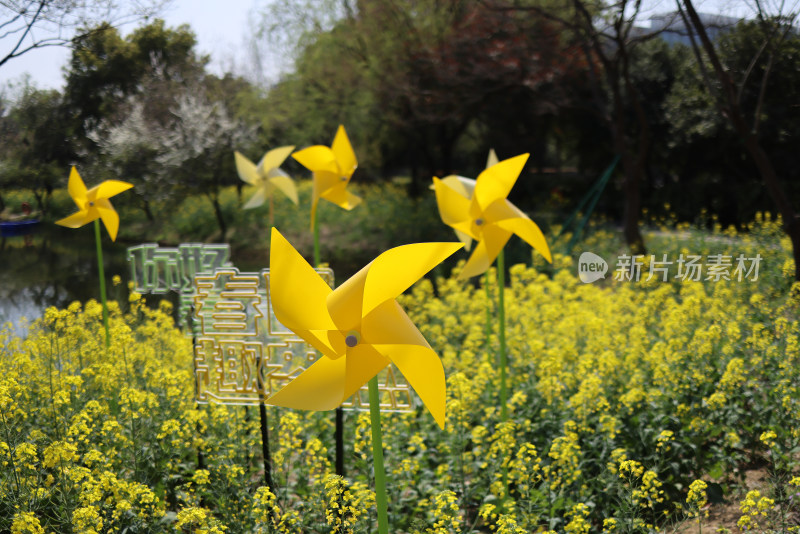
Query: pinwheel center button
(352, 338)
(479, 222)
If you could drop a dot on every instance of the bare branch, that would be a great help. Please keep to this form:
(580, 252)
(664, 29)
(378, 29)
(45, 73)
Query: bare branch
(33, 24)
(696, 50)
(11, 21)
(12, 32)
(28, 27)
(750, 67)
(761, 92)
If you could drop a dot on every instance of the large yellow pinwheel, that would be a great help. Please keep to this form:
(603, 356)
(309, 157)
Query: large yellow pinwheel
(267, 176)
(486, 215)
(358, 327)
(93, 204)
(332, 169)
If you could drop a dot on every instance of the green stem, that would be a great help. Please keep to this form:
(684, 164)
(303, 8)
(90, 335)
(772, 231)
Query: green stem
(11, 455)
(501, 314)
(377, 456)
(316, 241)
(271, 213)
(501, 334)
(486, 283)
(102, 279)
(339, 432)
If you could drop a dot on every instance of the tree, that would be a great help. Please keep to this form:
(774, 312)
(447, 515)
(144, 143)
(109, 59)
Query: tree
(172, 138)
(26, 25)
(105, 68)
(610, 36)
(417, 78)
(129, 150)
(97, 121)
(457, 67)
(200, 143)
(706, 154)
(655, 67)
(34, 152)
(145, 110)
(726, 85)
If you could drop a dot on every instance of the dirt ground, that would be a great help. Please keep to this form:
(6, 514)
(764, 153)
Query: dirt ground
(726, 514)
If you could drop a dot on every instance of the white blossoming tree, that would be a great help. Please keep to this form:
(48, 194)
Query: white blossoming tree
(170, 142)
(200, 144)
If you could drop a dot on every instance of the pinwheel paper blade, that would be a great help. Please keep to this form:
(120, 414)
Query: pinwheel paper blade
(343, 150)
(493, 240)
(282, 181)
(76, 188)
(109, 217)
(109, 188)
(247, 170)
(496, 182)
(317, 158)
(275, 158)
(76, 220)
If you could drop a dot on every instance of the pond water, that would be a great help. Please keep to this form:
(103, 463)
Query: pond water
(56, 266)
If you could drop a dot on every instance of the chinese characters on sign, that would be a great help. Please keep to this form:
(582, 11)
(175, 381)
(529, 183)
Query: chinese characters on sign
(159, 270)
(242, 353)
(689, 267)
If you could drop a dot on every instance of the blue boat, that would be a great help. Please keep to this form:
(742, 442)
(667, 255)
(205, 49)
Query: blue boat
(17, 228)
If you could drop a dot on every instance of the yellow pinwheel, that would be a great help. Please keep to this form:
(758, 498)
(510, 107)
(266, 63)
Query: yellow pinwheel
(332, 169)
(486, 215)
(93, 203)
(267, 176)
(359, 327)
(465, 186)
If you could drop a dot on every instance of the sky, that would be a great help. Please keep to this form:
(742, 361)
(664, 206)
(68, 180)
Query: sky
(218, 24)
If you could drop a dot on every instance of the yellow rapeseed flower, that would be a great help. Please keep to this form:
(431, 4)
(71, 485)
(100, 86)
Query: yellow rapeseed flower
(26, 523)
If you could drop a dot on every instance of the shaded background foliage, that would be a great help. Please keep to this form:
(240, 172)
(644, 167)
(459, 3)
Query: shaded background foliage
(425, 87)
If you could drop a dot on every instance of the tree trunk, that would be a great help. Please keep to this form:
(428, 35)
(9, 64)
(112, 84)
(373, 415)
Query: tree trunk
(422, 172)
(633, 207)
(220, 219)
(39, 201)
(791, 222)
(633, 202)
(147, 211)
(631, 166)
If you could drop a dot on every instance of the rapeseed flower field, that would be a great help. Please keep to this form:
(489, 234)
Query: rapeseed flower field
(634, 407)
